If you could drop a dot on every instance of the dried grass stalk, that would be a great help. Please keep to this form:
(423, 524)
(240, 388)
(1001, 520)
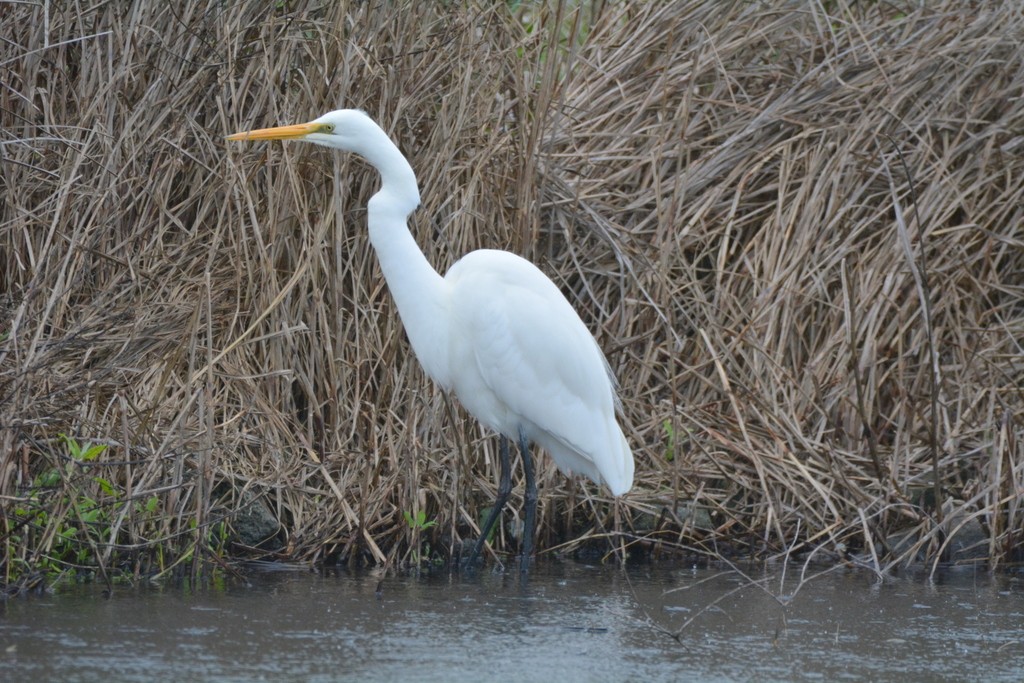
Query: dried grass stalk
(718, 187)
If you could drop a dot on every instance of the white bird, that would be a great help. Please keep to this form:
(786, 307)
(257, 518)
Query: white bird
(495, 330)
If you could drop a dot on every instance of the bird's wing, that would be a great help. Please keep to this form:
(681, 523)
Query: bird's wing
(531, 350)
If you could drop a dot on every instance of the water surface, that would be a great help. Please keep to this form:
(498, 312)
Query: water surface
(568, 622)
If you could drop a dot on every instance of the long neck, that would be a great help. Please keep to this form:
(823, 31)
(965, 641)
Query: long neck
(419, 291)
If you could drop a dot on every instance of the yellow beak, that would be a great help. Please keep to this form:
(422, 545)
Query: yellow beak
(300, 130)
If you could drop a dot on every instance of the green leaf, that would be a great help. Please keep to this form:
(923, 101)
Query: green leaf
(72, 445)
(77, 451)
(670, 440)
(92, 451)
(47, 479)
(107, 487)
(419, 522)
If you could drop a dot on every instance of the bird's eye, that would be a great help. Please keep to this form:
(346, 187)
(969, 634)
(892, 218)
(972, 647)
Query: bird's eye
(328, 128)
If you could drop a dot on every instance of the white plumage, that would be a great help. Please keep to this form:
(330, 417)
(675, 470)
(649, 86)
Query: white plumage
(494, 330)
(532, 363)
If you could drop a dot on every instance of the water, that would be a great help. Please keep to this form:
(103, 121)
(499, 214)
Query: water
(568, 622)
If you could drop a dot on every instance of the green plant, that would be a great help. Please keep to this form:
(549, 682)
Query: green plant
(79, 452)
(670, 440)
(69, 520)
(484, 514)
(69, 514)
(672, 445)
(421, 552)
(419, 521)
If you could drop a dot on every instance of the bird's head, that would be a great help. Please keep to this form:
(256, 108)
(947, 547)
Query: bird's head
(344, 129)
(351, 130)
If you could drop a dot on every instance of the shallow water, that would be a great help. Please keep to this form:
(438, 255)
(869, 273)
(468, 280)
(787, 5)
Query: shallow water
(566, 622)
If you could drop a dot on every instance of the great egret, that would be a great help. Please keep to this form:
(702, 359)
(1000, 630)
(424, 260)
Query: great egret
(495, 330)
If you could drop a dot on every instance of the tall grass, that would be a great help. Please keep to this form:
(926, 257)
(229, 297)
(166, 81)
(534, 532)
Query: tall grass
(795, 229)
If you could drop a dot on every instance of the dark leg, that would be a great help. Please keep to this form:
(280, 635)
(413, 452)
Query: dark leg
(529, 502)
(504, 487)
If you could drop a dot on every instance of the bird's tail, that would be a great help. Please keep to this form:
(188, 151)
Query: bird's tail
(620, 466)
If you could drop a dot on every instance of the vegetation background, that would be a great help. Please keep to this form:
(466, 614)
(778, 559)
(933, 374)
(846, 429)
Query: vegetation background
(794, 227)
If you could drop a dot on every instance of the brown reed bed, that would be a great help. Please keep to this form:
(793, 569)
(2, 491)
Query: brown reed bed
(795, 229)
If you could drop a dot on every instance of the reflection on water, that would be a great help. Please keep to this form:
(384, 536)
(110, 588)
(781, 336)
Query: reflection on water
(567, 622)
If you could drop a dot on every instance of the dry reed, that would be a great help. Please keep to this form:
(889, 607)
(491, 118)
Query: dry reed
(794, 228)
